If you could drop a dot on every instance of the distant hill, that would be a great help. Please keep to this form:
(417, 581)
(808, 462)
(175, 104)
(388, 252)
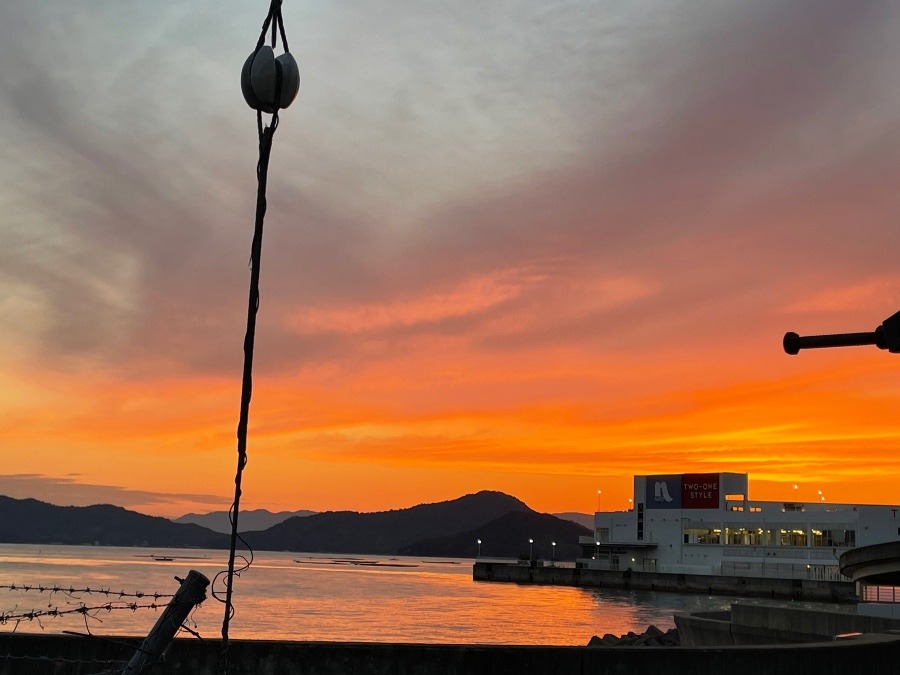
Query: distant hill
(507, 537)
(449, 528)
(385, 532)
(257, 519)
(29, 521)
(583, 519)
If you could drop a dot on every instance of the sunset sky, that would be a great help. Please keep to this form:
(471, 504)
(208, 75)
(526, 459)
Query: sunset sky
(532, 246)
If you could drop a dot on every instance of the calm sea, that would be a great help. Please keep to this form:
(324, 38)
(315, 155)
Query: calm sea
(334, 598)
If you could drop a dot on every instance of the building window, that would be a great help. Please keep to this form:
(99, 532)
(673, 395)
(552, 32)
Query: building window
(747, 536)
(603, 534)
(737, 536)
(834, 538)
(793, 537)
(793, 507)
(702, 535)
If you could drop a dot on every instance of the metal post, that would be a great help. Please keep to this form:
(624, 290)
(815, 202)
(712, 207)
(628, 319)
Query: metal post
(192, 592)
(885, 336)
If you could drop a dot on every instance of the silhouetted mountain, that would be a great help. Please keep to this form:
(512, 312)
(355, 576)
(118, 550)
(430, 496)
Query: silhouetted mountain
(385, 532)
(442, 529)
(257, 519)
(28, 521)
(507, 537)
(583, 519)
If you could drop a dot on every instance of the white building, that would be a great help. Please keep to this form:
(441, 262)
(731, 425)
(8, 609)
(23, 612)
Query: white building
(707, 524)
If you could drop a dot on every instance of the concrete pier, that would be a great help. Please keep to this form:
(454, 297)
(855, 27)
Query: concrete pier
(782, 589)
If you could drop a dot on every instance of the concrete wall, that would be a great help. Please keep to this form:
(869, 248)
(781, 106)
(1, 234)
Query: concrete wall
(877, 524)
(809, 623)
(45, 654)
(788, 589)
(754, 624)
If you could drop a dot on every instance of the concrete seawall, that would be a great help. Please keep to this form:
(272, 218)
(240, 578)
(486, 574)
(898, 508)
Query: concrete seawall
(782, 589)
(45, 654)
(770, 623)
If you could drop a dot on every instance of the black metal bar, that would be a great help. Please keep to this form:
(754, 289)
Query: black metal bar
(793, 343)
(886, 336)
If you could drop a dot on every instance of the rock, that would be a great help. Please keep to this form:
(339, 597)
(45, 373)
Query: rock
(652, 637)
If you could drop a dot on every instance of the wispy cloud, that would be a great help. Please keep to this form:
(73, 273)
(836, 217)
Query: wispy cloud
(474, 210)
(68, 490)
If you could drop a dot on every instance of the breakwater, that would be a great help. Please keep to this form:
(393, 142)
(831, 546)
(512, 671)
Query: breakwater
(46, 654)
(782, 589)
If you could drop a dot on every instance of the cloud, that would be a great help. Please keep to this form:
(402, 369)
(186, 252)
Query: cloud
(582, 206)
(562, 135)
(68, 490)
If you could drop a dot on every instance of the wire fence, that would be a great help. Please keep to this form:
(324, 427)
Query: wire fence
(69, 601)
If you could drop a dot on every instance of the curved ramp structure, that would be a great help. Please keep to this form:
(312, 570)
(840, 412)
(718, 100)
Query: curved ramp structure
(878, 564)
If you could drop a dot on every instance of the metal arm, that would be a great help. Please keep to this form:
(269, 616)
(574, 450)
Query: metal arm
(886, 336)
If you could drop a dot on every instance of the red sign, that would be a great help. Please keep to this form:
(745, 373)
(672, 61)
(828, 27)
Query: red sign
(700, 491)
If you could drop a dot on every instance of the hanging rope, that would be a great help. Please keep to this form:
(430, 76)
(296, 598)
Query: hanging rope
(284, 82)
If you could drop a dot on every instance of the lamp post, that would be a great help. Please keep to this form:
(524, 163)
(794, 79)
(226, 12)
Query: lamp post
(886, 336)
(552, 552)
(599, 492)
(478, 554)
(531, 549)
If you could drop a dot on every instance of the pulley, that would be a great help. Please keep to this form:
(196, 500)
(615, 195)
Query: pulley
(269, 83)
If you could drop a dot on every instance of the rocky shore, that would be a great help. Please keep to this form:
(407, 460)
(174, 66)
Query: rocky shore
(652, 637)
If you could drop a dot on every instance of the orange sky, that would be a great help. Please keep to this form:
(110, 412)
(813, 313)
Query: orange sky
(535, 253)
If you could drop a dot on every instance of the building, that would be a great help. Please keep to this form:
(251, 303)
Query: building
(707, 524)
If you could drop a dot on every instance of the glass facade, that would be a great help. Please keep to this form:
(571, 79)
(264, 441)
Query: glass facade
(702, 535)
(739, 535)
(793, 537)
(840, 537)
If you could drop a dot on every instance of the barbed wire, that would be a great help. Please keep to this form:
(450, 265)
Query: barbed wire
(88, 612)
(113, 666)
(71, 590)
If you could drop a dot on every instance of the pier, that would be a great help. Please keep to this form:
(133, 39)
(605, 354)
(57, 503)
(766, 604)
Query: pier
(815, 590)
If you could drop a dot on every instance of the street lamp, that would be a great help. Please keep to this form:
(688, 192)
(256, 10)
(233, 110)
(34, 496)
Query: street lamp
(531, 549)
(552, 552)
(599, 492)
(478, 541)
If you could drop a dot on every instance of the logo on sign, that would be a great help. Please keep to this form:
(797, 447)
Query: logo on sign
(661, 492)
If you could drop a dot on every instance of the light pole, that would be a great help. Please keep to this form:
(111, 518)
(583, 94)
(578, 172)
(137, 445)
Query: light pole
(599, 492)
(552, 552)
(531, 549)
(478, 541)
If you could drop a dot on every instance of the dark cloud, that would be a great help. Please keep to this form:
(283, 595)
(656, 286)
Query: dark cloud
(715, 151)
(68, 490)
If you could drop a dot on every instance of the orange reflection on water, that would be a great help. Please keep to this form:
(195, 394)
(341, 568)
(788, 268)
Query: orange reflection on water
(364, 599)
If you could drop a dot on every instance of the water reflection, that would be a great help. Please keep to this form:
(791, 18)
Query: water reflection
(331, 598)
